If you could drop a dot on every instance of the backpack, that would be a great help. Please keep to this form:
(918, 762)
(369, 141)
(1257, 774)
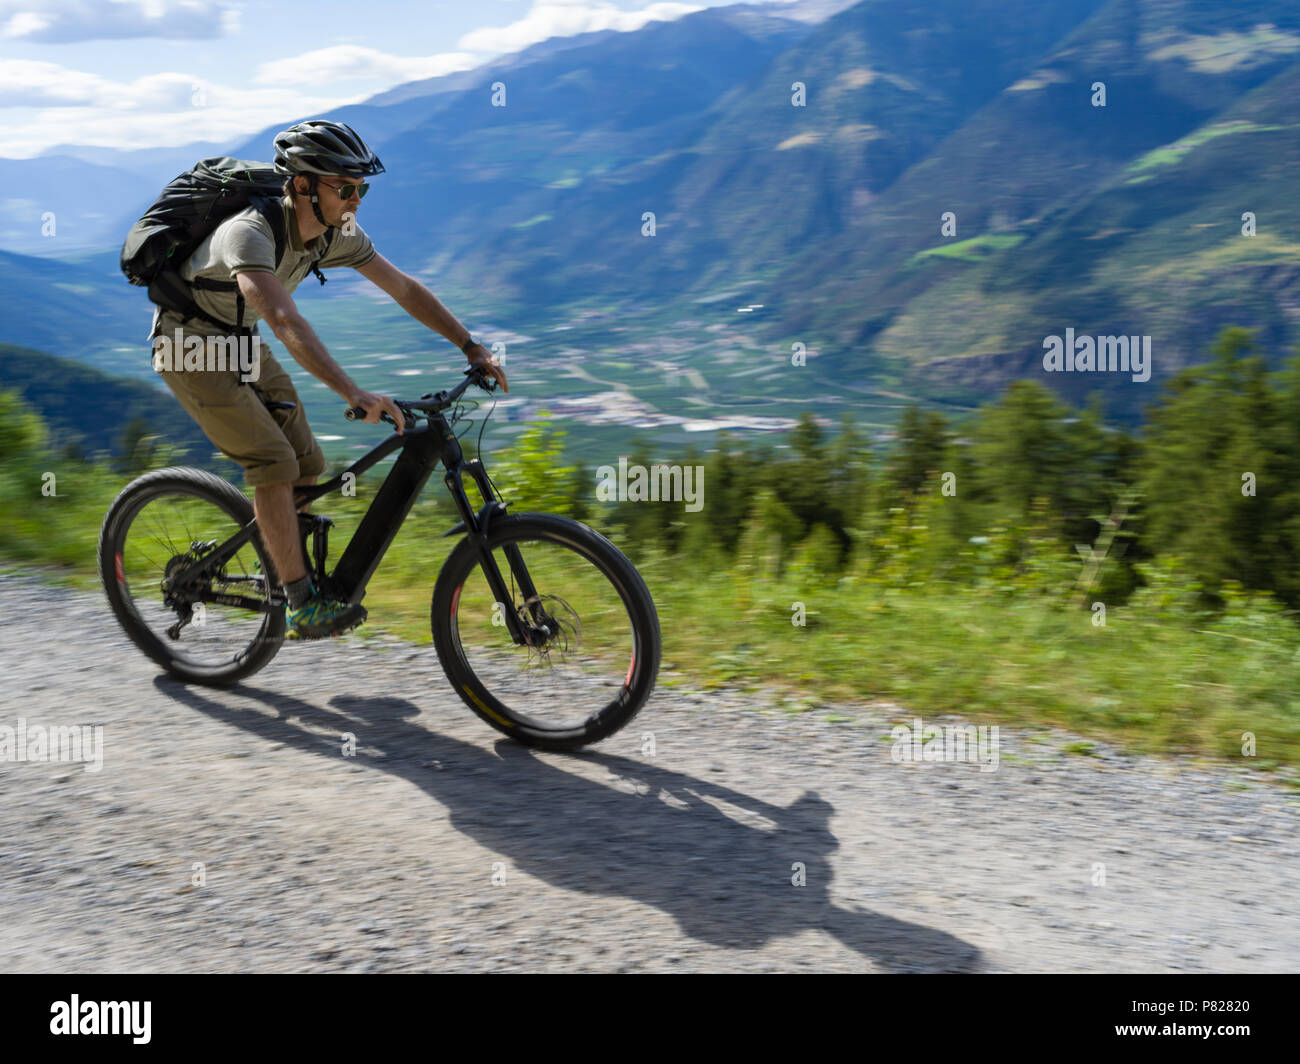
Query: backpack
(186, 212)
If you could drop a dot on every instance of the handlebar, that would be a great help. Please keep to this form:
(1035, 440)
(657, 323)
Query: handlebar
(431, 402)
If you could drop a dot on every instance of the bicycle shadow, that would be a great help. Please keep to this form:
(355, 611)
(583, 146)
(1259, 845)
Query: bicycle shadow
(724, 882)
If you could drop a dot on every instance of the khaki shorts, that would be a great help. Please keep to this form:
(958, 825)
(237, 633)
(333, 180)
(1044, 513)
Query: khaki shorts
(273, 447)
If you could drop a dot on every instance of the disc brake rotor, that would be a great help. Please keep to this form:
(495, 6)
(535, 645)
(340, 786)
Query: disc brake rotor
(558, 628)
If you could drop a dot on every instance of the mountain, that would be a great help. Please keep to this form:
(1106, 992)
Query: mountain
(469, 79)
(802, 10)
(587, 140)
(58, 203)
(81, 310)
(1156, 248)
(156, 165)
(89, 190)
(885, 84)
(1021, 163)
(800, 160)
(90, 409)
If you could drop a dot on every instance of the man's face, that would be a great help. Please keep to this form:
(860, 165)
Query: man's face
(332, 204)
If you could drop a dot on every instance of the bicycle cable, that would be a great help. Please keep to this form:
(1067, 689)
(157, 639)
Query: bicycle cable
(478, 447)
(458, 415)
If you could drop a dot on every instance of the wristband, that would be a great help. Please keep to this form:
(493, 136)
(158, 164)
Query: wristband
(464, 348)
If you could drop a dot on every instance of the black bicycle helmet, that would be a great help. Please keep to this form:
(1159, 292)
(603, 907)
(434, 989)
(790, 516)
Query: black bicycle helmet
(321, 147)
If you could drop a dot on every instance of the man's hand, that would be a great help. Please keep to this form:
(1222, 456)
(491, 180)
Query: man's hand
(479, 355)
(374, 405)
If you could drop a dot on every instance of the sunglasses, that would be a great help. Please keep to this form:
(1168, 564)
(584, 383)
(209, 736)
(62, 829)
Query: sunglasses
(345, 191)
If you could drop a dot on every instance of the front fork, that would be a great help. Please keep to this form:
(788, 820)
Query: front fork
(543, 626)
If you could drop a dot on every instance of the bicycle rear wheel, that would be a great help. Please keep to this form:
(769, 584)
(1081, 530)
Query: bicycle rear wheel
(591, 659)
(159, 525)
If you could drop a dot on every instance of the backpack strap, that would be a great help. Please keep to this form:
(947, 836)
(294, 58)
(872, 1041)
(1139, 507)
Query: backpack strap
(170, 292)
(270, 209)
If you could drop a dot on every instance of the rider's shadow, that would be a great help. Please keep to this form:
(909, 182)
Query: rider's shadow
(733, 878)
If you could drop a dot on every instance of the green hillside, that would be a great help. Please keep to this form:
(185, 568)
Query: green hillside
(1157, 249)
(88, 411)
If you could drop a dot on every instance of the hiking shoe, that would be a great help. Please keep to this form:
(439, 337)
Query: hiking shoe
(320, 617)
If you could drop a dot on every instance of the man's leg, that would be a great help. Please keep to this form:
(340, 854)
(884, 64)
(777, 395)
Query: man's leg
(304, 482)
(237, 422)
(277, 453)
(273, 504)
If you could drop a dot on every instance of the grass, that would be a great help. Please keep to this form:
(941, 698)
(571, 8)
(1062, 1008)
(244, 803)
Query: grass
(1144, 682)
(975, 249)
(1147, 684)
(1170, 154)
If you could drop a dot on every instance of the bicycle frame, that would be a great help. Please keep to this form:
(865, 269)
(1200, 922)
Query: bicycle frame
(422, 447)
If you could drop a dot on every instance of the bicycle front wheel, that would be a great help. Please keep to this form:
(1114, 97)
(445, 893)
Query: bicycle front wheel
(590, 652)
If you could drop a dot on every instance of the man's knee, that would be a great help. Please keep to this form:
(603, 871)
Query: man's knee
(282, 472)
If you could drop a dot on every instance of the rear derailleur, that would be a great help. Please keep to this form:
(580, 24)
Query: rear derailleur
(181, 597)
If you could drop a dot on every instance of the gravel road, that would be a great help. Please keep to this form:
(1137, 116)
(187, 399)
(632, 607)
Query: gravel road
(443, 846)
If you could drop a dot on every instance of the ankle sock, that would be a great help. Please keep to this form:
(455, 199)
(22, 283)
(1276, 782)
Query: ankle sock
(299, 592)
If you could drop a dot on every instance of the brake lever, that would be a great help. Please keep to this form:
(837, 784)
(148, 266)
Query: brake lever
(485, 380)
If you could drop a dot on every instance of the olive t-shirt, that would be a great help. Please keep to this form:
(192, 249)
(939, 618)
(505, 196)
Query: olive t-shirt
(243, 242)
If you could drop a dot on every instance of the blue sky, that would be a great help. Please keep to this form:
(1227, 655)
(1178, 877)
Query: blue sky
(145, 73)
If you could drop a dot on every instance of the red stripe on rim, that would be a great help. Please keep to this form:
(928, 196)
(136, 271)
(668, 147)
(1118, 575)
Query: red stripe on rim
(627, 681)
(455, 599)
(117, 567)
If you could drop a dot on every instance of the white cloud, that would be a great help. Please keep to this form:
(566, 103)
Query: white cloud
(95, 128)
(47, 104)
(565, 18)
(63, 21)
(24, 24)
(29, 83)
(25, 83)
(327, 65)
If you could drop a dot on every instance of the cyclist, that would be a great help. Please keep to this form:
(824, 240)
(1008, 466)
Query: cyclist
(325, 163)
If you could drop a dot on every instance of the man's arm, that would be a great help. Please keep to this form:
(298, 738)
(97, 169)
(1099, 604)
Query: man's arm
(426, 308)
(266, 295)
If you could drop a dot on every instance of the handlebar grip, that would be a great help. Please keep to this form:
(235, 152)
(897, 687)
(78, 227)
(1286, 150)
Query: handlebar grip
(357, 413)
(481, 377)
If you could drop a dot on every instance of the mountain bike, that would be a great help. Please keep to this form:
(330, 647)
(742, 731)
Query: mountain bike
(543, 627)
